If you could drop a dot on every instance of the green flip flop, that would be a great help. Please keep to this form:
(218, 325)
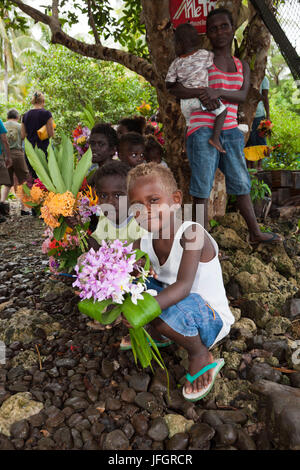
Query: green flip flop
(217, 366)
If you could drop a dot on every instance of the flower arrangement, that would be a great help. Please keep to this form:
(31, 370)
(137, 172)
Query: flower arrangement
(108, 287)
(63, 254)
(144, 108)
(60, 188)
(80, 138)
(158, 134)
(265, 128)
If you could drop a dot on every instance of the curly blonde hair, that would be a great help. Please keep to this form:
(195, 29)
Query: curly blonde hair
(164, 175)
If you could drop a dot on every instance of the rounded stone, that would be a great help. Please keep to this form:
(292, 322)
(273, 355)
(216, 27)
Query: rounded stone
(140, 424)
(179, 441)
(226, 434)
(116, 440)
(20, 429)
(128, 395)
(158, 430)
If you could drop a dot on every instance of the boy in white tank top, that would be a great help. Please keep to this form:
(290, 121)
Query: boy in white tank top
(191, 294)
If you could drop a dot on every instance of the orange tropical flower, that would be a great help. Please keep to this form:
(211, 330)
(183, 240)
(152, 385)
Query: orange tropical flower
(37, 194)
(48, 217)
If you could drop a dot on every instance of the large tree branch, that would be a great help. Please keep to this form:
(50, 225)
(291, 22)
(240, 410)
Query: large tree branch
(95, 51)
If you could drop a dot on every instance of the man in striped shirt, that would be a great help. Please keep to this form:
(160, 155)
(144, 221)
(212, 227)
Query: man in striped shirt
(229, 80)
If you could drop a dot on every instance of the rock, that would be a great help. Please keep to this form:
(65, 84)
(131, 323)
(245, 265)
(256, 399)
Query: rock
(232, 360)
(228, 416)
(179, 441)
(116, 440)
(56, 419)
(244, 441)
(159, 381)
(177, 424)
(295, 379)
(228, 238)
(66, 362)
(15, 408)
(20, 429)
(140, 424)
(228, 271)
(200, 436)
(139, 382)
(246, 324)
(27, 359)
(112, 404)
(107, 368)
(128, 430)
(158, 430)
(263, 371)
(147, 401)
(294, 309)
(252, 282)
(128, 395)
(236, 312)
(226, 434)
(278, 348)
(277, 325)
(21, 326)
(212, 418)
(282, 413)
(6, 444)
(279, 257)
(63, 438)
(235, 221)
(77, 403)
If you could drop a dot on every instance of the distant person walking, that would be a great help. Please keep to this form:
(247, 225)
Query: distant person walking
(32, 121)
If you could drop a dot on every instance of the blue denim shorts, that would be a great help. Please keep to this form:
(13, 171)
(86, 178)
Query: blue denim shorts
(205, 159)
(191, 316)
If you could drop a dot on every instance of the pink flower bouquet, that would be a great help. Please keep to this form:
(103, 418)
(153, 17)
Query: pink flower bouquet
(109, 287)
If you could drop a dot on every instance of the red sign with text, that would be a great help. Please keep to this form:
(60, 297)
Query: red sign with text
(192, 11)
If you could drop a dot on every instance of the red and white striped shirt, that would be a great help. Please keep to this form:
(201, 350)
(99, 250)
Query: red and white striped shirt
(226, 81)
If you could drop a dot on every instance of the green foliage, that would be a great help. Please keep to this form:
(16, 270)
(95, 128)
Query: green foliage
(286, 132)
(259, 189)
(70, 81)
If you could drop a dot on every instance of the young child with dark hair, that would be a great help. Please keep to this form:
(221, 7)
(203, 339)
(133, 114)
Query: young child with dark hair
(154, 152)
(103, 142)
(190, 68)
(135, 124)
(131, 149)
(191, 294)
(114, 221)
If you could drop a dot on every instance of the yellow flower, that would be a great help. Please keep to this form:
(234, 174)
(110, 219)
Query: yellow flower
(48, 217)
(37, 194)
(81, 140)
(61, 204)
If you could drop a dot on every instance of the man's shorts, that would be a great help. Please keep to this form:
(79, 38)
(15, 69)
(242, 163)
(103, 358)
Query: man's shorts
(205, 159)
(19, 167)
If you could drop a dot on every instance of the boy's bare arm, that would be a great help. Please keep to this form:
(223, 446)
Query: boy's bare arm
(237, 96)
(192, 248)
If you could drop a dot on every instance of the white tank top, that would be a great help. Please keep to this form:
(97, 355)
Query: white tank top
(208, 281)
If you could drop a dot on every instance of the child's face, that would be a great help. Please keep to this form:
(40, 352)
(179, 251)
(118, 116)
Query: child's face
(112, 191)
(132, 154)
(158, 205)
(101, 149)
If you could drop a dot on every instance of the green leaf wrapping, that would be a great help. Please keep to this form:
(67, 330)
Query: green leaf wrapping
(38, 166)
(54, 170)
(66, 161)
(96, 309)
(144, 312)
(81, 170)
